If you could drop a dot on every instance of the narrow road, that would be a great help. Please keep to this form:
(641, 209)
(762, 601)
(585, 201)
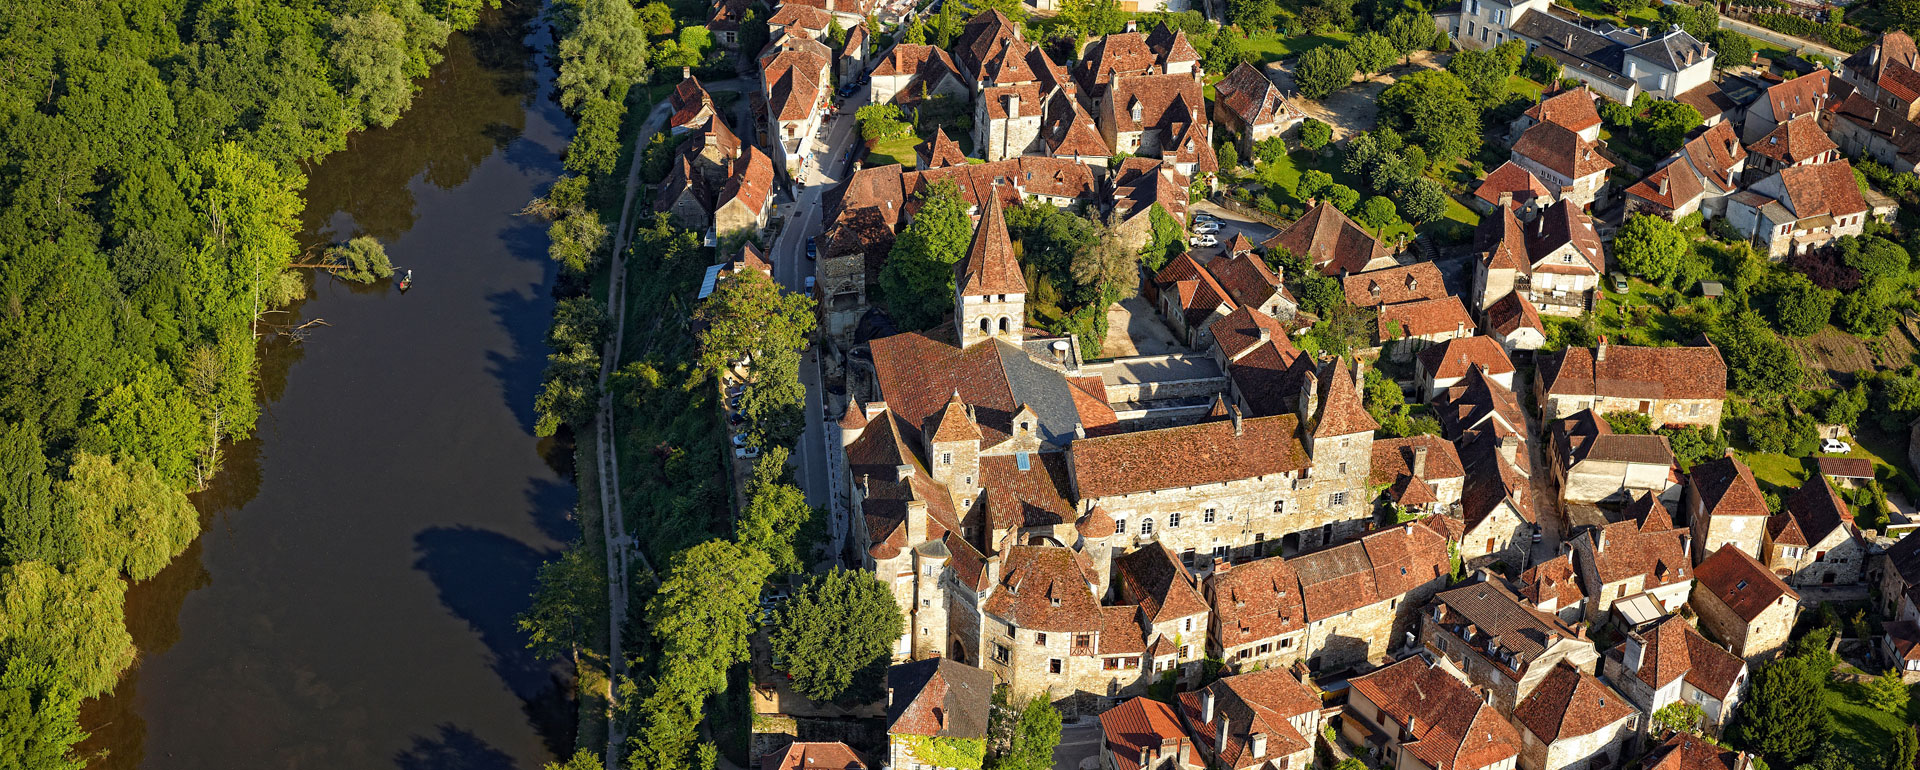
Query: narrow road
(1791, 43)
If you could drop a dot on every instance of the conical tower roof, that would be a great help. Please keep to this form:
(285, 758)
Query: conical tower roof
(989, 267)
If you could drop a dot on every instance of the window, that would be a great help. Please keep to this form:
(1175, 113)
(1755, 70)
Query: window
(1001, 653)
(1286, 644)
(1337, 498)
(1173, 520)
(1219, 552)
(1040, 638)
(1186, 651)
(1120, 526)
(1020, 459)
(1110, 664)
(1010, 631)
(946, 458)
(926, 602)
(1279, 506)
(1083, 640)
(1146, 527)
(1263, 649)
(1343, 469)
(966, 502)
(1206, 517)
(1053, 665)
(1186, 625)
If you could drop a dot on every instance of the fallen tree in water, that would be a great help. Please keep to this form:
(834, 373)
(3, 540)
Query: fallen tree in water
(361, 260)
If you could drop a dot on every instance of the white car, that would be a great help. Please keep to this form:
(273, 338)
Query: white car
(1834, 446)
(739, 439)
(1207, 227)
(1204, 240)
(746, 452)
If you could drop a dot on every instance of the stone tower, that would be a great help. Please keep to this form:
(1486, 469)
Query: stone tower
(990, 294)
(1338, 434)
(953, 449)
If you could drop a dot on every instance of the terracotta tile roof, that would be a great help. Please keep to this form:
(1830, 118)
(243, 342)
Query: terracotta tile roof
(1651, 547)
(1454, 357)
(1552, 580)
(1125, 52)
(1846, 467)
(1783, 530)
(1251, 95)
(1585, 436)
(1068, 130)
(1709, 100)
(1053, 77)
(1561, 150)
(1120, 631)
(1511, 178)
(1245, 278)
(1673, 650)
(1746, 586)
(1714, 155)
(1341, 412)
(1570, 703)
(1512, 313)
(1394, 285)
(1818, 510)
(1142, 724)
(1492, 479)
(1164, 101)
(1257, 600)
(989, 267)
(1095, 523)
(1006, 63)
(1799, 96)
(1258, 703)
(793, 83)
(1171, 45)
(1042, 588)
(1154, 578)
(938, 697)
(926, 63)
(804, 17)
(1193, 288)
(1572, 110)
(1502, 241)
(1794, 141)
(1686, 751)
(1670, 186)
(918, 372)
(1037, 497)
(1142, 182)
(1393, 458)
(688, 101)
(1245, 328)
(1560, 224)
(1636, 372)
(996, 100)
(1470, 402)
(682, 180)
(1727, 488)
(751, 184)
(1420, 318)
(1380, 566)
(1452, 728)
(1187, 456)
(1269, 376)
(1501, 620)
(941, 151)
(1904, 635)
(1894, 47)
(801, 755)
(1330, 240)
(1825, 188)
(980, 36)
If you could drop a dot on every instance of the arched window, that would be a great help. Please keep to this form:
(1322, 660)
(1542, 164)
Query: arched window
(986, 326)
(1003, 324)
(1146, 527)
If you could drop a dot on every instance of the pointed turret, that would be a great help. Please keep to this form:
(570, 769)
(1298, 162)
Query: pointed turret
(989, 292)
(953, 448)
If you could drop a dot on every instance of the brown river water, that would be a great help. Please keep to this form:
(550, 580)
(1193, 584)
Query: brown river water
(350, 603)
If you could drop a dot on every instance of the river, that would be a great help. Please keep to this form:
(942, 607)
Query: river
(350, 603)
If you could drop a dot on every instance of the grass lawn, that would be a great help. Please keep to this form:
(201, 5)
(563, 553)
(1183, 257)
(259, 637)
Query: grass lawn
(1272, 47)
(1594, 9)
(1524, 87)
(1861, 729)
(896, 150)
(1286, 176)
(1782, 470)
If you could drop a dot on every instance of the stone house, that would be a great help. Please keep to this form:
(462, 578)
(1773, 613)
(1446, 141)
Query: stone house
(1699, 178)
(1899, 576)
(1445, 365)
(1258, 618)
(1885, 72)
(1358, 599)
(1744, 604)
(1410, 327)
(743, 205)
(1500, 641)
(1672, 386)
(812, 755)
(1478, 24)
(724, 23)
(1225, 487)
(1249, 104)
(1330, 241)
(933, 700)
(1642, 554)
(1144, 734)
(684, 196)
(1264, 720)
(1159, 116)
(1810, 94)
(1592, 464)
(1042, 628)
(1567, 163)
(1422, 716)
(1554, 586)
(1668, 663)
(1192, 296)
(1574, 721)
(1515, 323)
(1007, 118)
(913, 72)
(853, 55)
(1132, 54)
(1555, 260)
(794, 81)
(1140, 185)
(1798, 142)
(1172, 611)
(1512, 187)
(1686, 751)
(1799, 208)
(1862, 127)
(1724, 505)
(1394, 285)
(799, 20)
(1478, 402)
(1901, 644)
(1249, 282)
(1497, 512)
(1418, 474)
(1814, 541)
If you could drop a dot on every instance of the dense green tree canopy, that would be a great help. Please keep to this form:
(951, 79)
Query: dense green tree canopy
(1322, 71)
(1434, 110)
(39, 718)
(918, 277)
(839, 625)
(130, 519)
(1649, 247)
(66, 620)
(569, 603)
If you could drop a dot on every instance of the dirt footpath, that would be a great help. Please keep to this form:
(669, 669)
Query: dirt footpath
(1355, 108)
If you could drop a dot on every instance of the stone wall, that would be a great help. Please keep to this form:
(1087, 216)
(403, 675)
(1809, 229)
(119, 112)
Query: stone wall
(1845, 558)
(1601, 749)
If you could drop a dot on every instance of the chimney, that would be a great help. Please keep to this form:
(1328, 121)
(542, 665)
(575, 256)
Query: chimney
(1686, 547)
(901, 473)
(1013, 106)
(1600, 351)
(686, 73)
(1133, 26)
(1420, 461)
(1663, 184)
(1412, 723)
(1143, 756)
(1580, 631)
(1506, 198)
(1266, 334)
(1632, 653)
(1220, 736)
(1600, 544)
(1259, 745)
(1206, 705)
(1359, 374)
(1873, 58)
(1185, 747)
(1234, 411)
(1509, 446)
(916, 518)
(874, 408)
(1309, 398)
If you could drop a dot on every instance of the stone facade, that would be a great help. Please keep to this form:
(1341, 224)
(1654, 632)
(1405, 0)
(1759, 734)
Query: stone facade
(1602, 749)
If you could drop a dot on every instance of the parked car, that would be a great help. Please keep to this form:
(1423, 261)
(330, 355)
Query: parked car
(735, 419)
(1834, 446)
(813, 251)
(809, 284)
(746, 452)
(1201, 216)
(739, 439)
(1207, 227)
(1618, 281)
(1204, 240)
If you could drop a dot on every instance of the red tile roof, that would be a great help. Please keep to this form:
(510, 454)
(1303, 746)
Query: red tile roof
(1727, 488)
(1187, 456)
(941, 151)
(751, 184)
(1036, 497)
(1341, 412)
(1799, 96)
(1552, 580)
(1649, 546)
(1394, 457)
(1258, 703)
(1095, 523)
(1330, 240)
(1441, 315)
(1154, 578)
(1246, 327)
(1125, 52)
(1671, 650)
(1561, 150)
(1142, 724)
(1512, 313)
(1394, 285)
(938, 697)
(1249, 94)
(1120, 631)
(1452, 728)
(1686, 751)
(793, 83)
(1511, 178)
(989, 267)
(1825, 188)
(1068, 130)
(1042, 588)
(1454, 357)
(1164, 101)
(1257, 600)
(794, 14)
(1817, 510)
(1468, 403)
(1794, 141)
(1746, 586)
(814, 756)
(1572, 110)
(1569, 703)
(1269, 375)
(1245, 278)
(1636, 372)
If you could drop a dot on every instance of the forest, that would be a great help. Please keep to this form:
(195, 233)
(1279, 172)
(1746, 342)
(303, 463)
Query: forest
(152, 160)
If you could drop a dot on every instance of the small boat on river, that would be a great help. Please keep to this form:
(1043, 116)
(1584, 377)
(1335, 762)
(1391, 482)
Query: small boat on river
(406, 281)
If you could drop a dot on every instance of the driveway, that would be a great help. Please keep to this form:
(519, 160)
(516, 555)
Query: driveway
(1079, 745)
(1355, 108)
(1134, 329)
